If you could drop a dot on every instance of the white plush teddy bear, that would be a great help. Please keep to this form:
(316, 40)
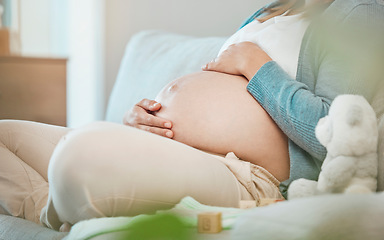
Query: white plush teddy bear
(350, 135)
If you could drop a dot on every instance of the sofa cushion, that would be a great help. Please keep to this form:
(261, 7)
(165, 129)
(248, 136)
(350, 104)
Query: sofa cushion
(151, 60)
(13, 228)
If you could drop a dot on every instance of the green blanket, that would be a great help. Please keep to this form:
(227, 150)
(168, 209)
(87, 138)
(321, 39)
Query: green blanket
(184, 215)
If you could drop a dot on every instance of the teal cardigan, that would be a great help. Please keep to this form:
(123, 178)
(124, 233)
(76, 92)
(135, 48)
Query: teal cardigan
(326, 68)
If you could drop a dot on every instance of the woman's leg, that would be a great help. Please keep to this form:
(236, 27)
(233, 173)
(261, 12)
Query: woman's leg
(25, 150)
(108, 169)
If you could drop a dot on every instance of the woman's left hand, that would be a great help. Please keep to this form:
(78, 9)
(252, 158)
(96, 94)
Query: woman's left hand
(244, 58)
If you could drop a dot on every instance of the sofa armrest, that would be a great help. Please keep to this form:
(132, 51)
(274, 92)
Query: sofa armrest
(151, 60)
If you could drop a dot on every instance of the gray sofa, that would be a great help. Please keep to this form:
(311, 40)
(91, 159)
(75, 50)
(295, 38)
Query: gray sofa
(152, 59)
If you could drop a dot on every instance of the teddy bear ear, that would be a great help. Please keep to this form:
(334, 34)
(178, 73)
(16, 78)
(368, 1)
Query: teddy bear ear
(354, 115)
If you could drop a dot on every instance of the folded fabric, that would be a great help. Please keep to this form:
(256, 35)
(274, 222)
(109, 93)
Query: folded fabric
(337, 216)
(187, 211)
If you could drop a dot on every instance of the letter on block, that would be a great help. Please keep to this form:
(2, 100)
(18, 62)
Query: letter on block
(209, 222)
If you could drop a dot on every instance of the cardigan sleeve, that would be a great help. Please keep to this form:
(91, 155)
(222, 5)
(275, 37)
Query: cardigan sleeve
(294, 108)
(338, 65)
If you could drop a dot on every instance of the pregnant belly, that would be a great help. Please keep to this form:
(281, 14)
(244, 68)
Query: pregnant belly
(214, 112)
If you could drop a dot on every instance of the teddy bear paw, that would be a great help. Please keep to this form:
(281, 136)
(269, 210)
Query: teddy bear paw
(302, 188)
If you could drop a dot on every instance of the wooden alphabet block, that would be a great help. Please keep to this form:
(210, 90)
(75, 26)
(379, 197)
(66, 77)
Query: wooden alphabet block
(245, 204)
(268, 201)
(209, 222)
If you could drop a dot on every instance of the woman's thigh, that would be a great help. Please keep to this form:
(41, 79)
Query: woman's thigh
(25, 150)
(108, 169)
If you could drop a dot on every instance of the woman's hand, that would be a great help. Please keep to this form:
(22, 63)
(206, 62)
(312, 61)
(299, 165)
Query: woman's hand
(244, 58)
(141, 116)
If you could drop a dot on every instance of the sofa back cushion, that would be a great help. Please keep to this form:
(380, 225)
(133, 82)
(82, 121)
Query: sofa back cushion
(151, 60)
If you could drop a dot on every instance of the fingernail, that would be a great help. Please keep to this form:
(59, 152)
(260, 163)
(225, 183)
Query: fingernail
(167, 125)
(169, 134)
(204, 67)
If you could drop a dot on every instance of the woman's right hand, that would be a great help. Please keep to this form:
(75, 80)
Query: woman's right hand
(141, 116)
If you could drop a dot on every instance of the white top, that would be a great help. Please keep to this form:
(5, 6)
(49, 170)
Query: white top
(280, 37)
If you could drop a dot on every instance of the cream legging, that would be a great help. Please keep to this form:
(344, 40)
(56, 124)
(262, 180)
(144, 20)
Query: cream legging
(106, 169)
(25, 150)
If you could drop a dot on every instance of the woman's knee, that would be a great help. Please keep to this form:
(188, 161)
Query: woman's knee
(88, 171)
(72, 170)
(93, 157)
(74, 154)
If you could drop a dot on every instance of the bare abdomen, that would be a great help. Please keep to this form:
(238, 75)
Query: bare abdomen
(214, 112)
